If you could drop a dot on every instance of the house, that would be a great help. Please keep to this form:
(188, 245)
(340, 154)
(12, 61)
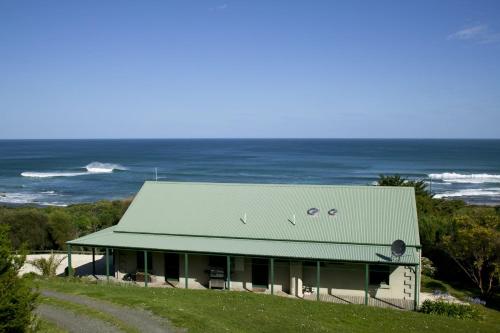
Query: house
(321, 242)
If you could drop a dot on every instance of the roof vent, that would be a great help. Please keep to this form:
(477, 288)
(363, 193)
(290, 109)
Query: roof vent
(332, 212)
(313, 211)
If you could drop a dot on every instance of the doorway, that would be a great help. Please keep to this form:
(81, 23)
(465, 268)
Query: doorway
(260, 273)
(171, 266)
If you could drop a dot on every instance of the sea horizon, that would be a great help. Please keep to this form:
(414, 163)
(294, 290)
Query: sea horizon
(244, 138)
(60, 172)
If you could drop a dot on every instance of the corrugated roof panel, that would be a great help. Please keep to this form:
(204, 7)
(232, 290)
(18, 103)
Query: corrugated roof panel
(365, 214)
(248, 247)
(268, 220)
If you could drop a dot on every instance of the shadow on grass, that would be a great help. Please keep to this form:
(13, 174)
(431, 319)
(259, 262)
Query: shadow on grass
(436, 285)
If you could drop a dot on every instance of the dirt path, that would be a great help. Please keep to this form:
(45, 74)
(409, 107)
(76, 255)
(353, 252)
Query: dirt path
(73, 322)
(143, 321)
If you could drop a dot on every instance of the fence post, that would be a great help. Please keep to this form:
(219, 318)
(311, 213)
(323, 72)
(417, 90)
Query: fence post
(107, 264)
(318, 273)
(415, 306)
(70, 268)
(272, 276)
(228, 272)
(93, 261)
(186, 273)
(145, 268)
(366, 283)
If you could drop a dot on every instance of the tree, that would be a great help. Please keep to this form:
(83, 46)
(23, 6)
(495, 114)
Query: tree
(62, 228)
(28, 226)
(17, 300)
(396, 180)
(474, 244)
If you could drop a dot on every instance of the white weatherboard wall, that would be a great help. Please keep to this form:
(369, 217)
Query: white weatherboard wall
(197, 277)
(241, 273)
(158, 266)
(281, 276)
(339, 281)
(296, 279)
(126, 263)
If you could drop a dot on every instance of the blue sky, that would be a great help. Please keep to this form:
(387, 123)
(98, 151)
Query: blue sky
(162, 69)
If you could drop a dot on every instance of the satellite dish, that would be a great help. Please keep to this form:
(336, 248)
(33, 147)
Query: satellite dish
(398, 248)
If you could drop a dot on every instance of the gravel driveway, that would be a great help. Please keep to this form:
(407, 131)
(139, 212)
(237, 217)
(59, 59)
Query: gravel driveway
(143, 321)
(73, 322)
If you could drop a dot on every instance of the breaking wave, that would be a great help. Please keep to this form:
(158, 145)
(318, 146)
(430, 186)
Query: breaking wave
(474, 178)
(29, 198)
(491, 192)
(91, 168)
(51, 174)
(48, 192)
(98, 167)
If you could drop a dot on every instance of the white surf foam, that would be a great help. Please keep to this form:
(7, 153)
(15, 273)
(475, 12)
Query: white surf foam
(48, 192)
(51, 174)
(474, 178)
(18, 198)
(30, 198)
(57, 204)
(98, 167)
(491, 192)
(91, 168)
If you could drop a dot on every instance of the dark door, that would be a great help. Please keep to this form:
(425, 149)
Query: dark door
(171, 266)
(260, 273)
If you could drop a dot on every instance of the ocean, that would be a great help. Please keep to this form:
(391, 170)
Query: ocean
(63, 172)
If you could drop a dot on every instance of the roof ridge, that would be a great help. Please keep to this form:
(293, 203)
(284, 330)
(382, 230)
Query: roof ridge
(163, 182)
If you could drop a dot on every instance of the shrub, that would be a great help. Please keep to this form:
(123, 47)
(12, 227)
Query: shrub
(47, 266)
(28, 226)
(475, 300)
(61, 227)
(428, 267)
(461, 311)
(17, 299)
(46, 228)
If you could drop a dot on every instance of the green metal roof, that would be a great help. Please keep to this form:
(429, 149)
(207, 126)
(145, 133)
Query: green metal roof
(268, 220)
(248, 247)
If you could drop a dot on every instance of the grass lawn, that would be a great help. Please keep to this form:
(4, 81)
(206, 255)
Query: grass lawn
(46, 327)
(215, 311)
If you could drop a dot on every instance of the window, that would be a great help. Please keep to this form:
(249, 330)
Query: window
(140, 261)
(379, 274)
(217, 262)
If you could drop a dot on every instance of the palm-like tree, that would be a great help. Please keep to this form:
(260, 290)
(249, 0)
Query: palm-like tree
(396, 180)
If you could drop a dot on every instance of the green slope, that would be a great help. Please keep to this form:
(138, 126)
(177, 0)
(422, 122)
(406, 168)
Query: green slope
(215, 311)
